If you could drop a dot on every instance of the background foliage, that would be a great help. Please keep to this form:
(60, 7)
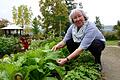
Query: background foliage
(54, 15)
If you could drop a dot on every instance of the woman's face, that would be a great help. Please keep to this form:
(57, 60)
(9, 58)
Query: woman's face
(78, 18)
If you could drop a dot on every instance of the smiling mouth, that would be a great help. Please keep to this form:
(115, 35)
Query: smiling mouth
(78, 22)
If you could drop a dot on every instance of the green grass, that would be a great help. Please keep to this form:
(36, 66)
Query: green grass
(112, 42)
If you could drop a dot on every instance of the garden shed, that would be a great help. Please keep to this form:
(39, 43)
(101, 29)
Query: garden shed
(12, 29)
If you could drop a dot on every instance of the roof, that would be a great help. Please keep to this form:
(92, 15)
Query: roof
(13, 26)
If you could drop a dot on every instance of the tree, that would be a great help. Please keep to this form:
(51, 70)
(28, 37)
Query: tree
(80, 5)
(3, 23)
(22, 15)
(98, 24)
(116, 26)
(54, 13)
(117, 29)
(14, 13)
(71, 5)
(35, 24)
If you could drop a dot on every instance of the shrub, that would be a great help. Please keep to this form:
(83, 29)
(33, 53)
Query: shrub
(110, 35)
(7, 45)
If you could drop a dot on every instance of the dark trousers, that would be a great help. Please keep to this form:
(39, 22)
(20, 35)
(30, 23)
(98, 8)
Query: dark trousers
(95, 48)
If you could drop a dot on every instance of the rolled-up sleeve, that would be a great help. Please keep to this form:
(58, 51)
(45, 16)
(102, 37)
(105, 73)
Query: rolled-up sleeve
(68, 35)
(89, 36)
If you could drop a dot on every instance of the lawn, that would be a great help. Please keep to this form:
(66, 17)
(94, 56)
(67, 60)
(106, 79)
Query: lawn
(112, 42)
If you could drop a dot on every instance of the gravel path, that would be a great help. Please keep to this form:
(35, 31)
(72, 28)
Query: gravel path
(111, 63)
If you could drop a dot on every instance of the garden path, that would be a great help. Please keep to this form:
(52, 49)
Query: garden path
(111, 63)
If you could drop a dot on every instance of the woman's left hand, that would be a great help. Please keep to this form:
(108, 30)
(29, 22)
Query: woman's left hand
(62, 61)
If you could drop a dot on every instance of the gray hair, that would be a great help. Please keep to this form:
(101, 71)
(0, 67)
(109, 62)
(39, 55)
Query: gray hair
(73, 11)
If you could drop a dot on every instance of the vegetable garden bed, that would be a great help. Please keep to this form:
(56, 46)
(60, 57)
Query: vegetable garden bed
(40, 64)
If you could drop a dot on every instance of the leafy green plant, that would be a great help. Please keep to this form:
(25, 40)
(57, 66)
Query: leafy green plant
(40, 63)
(7, 45)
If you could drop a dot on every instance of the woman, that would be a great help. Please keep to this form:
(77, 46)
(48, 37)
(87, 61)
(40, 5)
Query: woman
(81, 35)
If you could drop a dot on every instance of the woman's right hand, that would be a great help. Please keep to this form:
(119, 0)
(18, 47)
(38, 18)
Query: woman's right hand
(55, 47)
(58, 46)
